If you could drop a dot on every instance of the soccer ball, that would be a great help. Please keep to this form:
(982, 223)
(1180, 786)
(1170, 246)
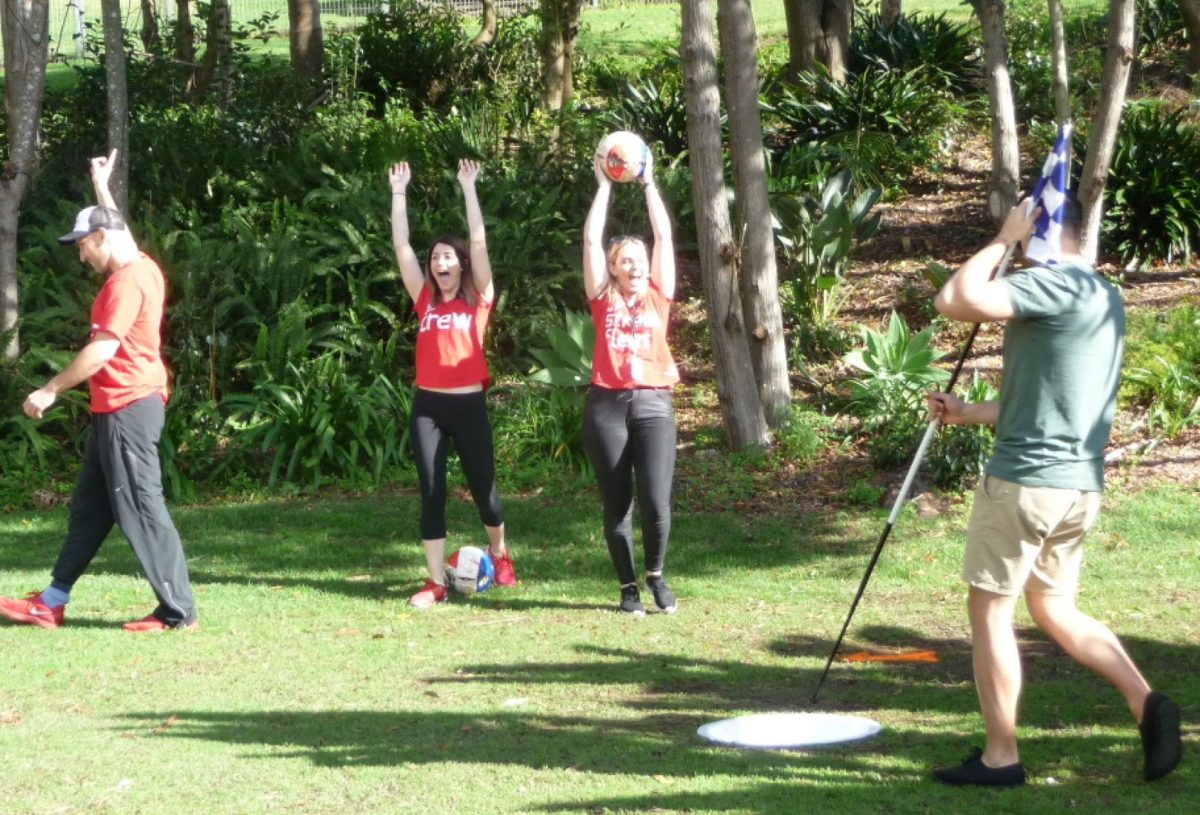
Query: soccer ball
(623, 155)
(470, 570)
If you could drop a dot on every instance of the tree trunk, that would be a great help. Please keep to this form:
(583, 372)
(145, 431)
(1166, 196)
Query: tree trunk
(489, 25)
(1058, 58)
(151, 40)
(1191, 19)
(306, 40)
(1118, 62)
(759, 278)
(741, 409)
(889, 12)
(117, 86)
(818, 33)
(185, 33)
(217, 71)
(1003, 188)
(560, 27)
(23, 27)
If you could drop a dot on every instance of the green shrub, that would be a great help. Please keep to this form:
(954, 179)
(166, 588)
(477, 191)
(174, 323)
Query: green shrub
(1162, 368)
(959, 452)
(880, 124)
(538, 430)
(817, 235)
(945, 48)
(1154, 187)
(1159, 24)
(805, 436)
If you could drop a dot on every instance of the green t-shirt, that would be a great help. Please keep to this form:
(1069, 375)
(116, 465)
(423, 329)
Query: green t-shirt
(1062, 366)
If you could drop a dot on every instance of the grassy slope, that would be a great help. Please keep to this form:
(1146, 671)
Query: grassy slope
(312, 687)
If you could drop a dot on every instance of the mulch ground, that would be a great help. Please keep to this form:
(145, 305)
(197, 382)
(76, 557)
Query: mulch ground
(943, 220)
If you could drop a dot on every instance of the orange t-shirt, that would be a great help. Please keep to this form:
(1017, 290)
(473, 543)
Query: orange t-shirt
(130, 307)
(631, 343)
(450, 342)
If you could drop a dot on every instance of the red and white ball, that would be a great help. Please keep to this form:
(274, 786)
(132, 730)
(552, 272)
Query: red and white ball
(623, 155)
(471, 570)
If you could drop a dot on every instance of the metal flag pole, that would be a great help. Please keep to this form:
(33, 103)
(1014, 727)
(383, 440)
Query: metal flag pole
(902, 496)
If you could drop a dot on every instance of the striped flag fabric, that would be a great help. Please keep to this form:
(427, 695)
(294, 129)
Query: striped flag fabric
(1050, 193)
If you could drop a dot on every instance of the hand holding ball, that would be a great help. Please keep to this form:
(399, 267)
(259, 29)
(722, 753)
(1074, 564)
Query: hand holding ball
(623, 156)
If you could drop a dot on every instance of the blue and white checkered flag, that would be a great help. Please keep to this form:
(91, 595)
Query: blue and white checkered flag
(1050, 193)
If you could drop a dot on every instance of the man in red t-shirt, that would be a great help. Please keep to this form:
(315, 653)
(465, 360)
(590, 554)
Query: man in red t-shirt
(121, 479)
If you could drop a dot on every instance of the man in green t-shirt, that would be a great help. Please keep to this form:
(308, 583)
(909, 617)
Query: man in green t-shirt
(1040, 492)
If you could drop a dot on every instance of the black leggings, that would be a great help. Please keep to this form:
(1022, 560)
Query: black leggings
(628, 431)
(438, 418)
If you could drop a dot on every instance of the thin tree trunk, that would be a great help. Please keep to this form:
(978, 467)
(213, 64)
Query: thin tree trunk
(185, 33)
(23, 27)
(489, 25)
(759, 278)
(306, 40)
(151, 40)
(1058, 58)
(1003, 189)
(741, 409)
(117, 86)
(889, 12)
(560, 27)
(1118, 62)
(818, 33)
(218, 53)
(1191, 19)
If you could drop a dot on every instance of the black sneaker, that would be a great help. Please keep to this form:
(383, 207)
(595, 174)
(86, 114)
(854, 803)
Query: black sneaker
(664, 598)
(631, 601)
(973, 772)
(1160, 736)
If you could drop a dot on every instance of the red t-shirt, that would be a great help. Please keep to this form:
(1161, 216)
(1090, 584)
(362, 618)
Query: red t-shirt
(450, 342)
(631, 344)
(130, 307)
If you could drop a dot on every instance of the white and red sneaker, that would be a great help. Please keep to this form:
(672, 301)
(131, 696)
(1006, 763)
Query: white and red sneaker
(31, 610)
(430, 595)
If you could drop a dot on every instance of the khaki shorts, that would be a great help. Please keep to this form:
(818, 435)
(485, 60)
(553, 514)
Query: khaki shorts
(1027, 538)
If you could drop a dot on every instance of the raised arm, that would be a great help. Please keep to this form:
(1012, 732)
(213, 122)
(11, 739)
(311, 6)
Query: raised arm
(595, 265)
(971, 295)
(102, 169)
(662, 258)
(410, 266)
(481, 264)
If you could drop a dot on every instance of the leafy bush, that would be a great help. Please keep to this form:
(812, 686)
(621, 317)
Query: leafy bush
(945, 48)
(898, 370)
(959, 452)
(880, 124)
(817, 235)
(568, 360)
(1154, 187)
(539, 430)
(1162, 368)
(417, 50)
(658, 113)
(804, 436)
(1159, 24)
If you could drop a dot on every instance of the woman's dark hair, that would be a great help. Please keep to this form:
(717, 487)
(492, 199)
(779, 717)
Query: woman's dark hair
(466, 285)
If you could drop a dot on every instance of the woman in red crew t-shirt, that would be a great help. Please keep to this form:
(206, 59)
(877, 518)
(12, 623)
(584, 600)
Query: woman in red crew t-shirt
(453, 300)
(629, 422)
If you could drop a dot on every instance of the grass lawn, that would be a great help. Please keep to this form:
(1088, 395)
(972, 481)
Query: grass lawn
(312, 687)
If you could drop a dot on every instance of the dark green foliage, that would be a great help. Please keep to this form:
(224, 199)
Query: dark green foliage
(568, 360)
(1162, 368)
(959, 452)
(417, 51)
(880, 124)
(1159, 24)
(1153, 200)
(945, 48)
(538, 432)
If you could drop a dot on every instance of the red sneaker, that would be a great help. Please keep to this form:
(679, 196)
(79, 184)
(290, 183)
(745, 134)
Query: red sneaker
(30, 609)
(505, 576)
(430, 595)
(152, 625)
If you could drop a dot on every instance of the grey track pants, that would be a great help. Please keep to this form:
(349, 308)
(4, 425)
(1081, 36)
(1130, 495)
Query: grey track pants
(121, 483)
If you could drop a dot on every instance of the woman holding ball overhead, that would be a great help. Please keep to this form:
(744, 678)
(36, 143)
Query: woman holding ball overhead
(629, 422)
(453, 300)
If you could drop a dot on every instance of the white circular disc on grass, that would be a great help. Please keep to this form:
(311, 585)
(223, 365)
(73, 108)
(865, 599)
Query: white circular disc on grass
(789, 731)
